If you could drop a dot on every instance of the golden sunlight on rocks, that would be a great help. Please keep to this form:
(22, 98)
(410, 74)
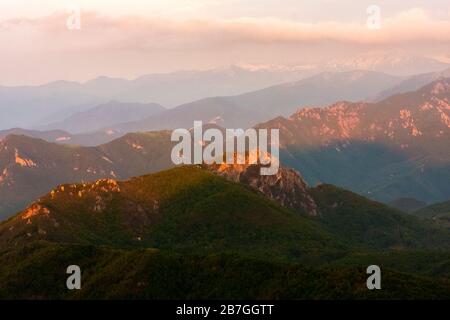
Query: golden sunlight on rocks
(34, 210)
(23, 162)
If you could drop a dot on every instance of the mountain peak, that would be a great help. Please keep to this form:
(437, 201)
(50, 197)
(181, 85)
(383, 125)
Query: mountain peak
(287, 187)
(140, 211)
(398, 119)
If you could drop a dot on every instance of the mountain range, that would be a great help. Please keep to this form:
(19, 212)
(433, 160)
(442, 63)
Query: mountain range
(91, 117)
(246, 110)
(384, 150)
(105, 115)
(439, 213)
(407, 204)
(399, 63)
(89, 139)
(32, 107)
(176, 233)
(31, 167)
(250, 108)
(413, 83)
(140, 229)
(51, 106)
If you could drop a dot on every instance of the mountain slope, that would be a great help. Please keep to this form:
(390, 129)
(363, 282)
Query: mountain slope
(35, 106)
(64, 137)
(31, 167)
(407, 204)
(185, 208)
(360, 222)
(50, 135)
(26, 106)
(413, 83)
(286, 187)
(353, 219)
(385, 150)
(192, 85)
(104, 115)
(34, 272)
(248, 109)
(187, 233)
(191, 206)
(439, 213)
(395, 63)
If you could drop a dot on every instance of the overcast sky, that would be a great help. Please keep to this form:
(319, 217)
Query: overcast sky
(129, 38)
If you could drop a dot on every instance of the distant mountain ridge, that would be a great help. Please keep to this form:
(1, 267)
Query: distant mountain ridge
(378, 149)
(383, 150)
(64, 137)
(34, 106)
(409, 205)
(395, 63)
(438, 213)
(30, 167)
(104, 115)
(413, 83)
(246, 110)
(50, 135)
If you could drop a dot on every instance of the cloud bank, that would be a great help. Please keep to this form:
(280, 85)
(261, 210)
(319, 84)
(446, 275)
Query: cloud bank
(104, 43)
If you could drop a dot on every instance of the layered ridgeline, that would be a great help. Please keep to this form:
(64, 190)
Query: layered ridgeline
(386, 150)
(83, 128)
(31, 167)
(105, 115)
(101, 124)
(63, 137)
(413, 83)
(355, 220)
(438, 213)
(190, 233)
(407, 204)
(248, 109)
(47, 105)
(34, 106)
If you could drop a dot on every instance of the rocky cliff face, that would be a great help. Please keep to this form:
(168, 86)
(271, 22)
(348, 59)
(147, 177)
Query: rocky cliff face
(395, 148)
(287, 187)
(419, 119)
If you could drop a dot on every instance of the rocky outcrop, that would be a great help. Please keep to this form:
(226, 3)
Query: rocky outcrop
(287, 187)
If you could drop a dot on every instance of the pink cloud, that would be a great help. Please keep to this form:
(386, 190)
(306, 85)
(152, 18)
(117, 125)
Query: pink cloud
(105, 43)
